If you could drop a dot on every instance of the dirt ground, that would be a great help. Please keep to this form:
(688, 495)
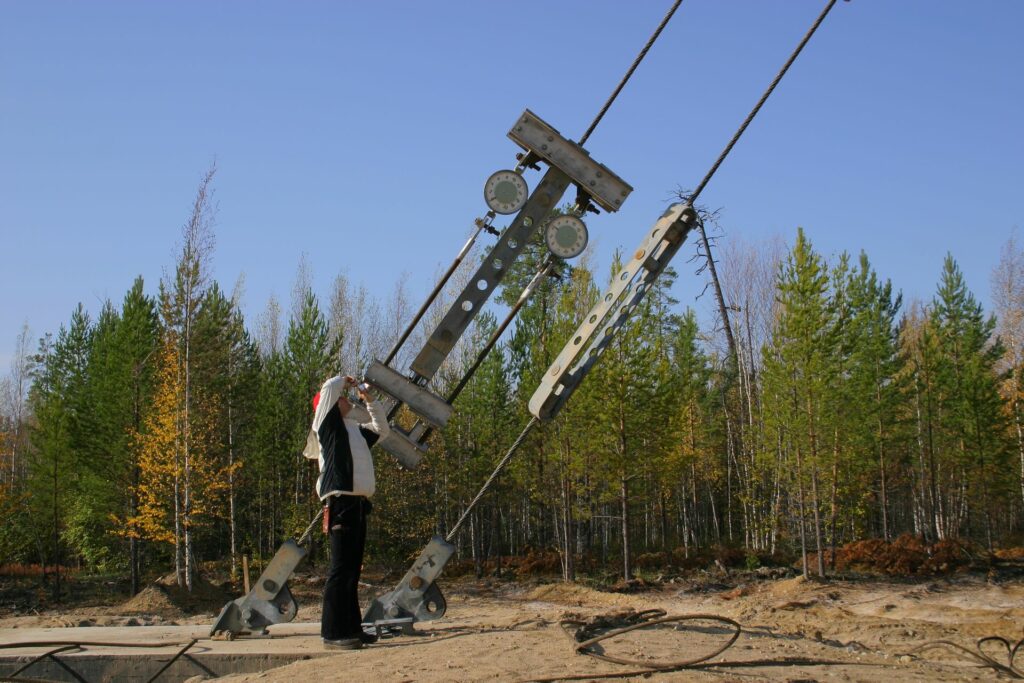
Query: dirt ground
(842, 630)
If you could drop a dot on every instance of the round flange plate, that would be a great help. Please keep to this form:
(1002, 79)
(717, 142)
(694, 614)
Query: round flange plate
(566, 236)
(505, 192)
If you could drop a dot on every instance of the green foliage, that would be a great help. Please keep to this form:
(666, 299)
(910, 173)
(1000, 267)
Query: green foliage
(841, 420)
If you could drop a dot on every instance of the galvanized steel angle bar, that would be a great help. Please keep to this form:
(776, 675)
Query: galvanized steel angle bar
(540, 139)
(491, 272)
(625, 292)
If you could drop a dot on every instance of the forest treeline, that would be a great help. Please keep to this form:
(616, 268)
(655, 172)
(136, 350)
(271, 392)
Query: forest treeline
(166, 431)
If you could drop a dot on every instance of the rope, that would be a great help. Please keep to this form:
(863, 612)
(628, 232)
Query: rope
(636, 63)
(764, 97)
(494, 475)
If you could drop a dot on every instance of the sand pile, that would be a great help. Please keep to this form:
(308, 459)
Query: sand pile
(165, 598)
(572, 594)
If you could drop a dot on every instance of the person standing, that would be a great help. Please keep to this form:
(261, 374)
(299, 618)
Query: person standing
(340, 439)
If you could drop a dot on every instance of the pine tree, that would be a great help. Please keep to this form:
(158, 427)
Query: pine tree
(876, 392)
(692, 425)
(797, 377)
(570, 453)
(923, 372)
(100, 454)
(628, 372)
(310, 358)
(57, 400)
(137, 343)
(974, 417)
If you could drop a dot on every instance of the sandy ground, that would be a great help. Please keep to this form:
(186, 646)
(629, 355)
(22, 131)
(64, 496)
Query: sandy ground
(494, 630)
(512, 633)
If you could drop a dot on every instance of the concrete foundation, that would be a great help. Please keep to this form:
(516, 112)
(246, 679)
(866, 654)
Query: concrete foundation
(118, 658)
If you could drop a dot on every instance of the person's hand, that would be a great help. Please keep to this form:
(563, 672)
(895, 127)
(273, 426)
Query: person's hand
(349, 382)
(364, 394)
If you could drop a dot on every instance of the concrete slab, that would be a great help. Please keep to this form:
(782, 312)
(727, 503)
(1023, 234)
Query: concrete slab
(137, 653)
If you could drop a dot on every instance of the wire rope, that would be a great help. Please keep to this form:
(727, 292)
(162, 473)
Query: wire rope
(629, 73)
(760, 102)
(494, 475)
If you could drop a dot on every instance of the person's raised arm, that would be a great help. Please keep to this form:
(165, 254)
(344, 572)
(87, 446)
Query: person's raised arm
(378, 419)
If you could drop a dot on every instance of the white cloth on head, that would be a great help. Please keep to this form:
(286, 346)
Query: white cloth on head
(330, 392)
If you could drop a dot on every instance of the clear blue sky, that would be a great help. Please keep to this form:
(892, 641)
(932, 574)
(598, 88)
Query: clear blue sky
(361, 133)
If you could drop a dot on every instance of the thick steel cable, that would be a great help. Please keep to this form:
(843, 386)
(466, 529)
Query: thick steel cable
(655, 617)
(305, 534)
(750, 117)
(632, 68)
(978, 656)
(587, 647)
(494, 475)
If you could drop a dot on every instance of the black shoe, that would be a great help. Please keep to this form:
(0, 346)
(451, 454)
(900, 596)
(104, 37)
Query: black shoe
(344, 643)
(367, 638)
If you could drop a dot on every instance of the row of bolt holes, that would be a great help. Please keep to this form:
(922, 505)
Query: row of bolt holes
(622, 312)
(482, 285)
(608, 297)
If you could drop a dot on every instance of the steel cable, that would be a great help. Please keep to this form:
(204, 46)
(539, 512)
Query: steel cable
(597, 119)
(979, 656)
(494, 475)
(585, 640)
(643, 620)
(753, 112)
(305, 534)
(632, 68)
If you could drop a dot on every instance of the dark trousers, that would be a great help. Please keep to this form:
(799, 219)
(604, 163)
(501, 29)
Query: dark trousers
(341, 617)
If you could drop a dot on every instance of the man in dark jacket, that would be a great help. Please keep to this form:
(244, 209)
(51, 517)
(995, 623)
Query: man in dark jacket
(340, 438)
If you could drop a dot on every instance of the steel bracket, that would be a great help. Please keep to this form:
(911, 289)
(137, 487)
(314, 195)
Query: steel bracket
(432, 408)
(417, 596)
(541, 140)
(599, 326)
(268, 602)
(407, 451)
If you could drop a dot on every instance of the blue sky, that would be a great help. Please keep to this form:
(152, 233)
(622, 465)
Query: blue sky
(360, 134)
